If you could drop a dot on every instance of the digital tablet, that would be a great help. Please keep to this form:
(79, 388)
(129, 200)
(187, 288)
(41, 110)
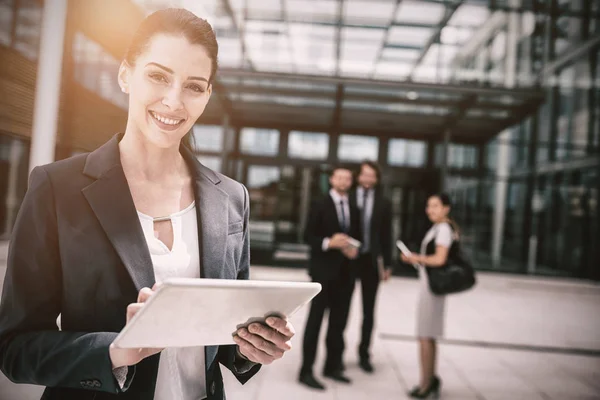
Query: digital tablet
(187, 312)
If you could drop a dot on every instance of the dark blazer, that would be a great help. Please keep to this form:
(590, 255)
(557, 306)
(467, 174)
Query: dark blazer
(78, 250)
(381, 227)
(322, 223)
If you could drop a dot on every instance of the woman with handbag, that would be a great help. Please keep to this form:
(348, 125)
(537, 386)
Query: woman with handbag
(435, 249)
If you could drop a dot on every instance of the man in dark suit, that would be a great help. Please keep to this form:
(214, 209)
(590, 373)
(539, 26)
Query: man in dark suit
(333, 223)
(375, 213)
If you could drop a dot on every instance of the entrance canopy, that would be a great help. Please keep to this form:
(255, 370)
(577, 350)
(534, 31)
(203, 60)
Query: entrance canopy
(415, 110)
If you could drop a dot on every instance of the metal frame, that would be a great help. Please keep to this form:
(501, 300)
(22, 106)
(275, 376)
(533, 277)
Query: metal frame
(450, 10)
(456, 102)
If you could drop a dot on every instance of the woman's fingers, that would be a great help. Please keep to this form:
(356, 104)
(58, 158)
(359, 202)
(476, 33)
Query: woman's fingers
(144, 294)
(133, 309)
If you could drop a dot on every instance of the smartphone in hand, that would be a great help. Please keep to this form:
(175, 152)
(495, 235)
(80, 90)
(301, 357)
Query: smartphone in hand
(404, 249)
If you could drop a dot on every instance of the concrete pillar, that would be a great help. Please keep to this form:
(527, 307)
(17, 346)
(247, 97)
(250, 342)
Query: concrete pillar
(503, 163)
(48, 83)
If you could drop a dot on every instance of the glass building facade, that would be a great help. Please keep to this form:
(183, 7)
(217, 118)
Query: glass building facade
(496, 102)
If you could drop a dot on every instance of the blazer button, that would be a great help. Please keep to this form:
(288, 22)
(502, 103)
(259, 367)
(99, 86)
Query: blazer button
(96, 383)
(213, 388)
(83, 384)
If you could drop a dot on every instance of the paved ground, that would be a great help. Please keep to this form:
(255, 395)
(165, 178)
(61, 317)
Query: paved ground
(509, 338)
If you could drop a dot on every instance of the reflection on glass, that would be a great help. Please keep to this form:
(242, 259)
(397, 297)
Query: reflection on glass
(264, 142)
(208, 138)
(407, 152)
(308, 145)
(212, 162)
(358, 148)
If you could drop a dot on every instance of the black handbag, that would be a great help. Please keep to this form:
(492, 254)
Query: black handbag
(456, 276)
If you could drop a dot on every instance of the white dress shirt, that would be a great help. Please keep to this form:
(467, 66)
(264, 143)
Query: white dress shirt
(181, 371)
(337, 198)
(367, 213)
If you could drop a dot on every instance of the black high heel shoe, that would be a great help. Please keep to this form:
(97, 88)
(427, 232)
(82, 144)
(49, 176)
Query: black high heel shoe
(433, 388)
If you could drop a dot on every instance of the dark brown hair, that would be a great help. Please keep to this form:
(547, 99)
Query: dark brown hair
(445, 200)
(175, 21)
(372, 165)
(336, 167)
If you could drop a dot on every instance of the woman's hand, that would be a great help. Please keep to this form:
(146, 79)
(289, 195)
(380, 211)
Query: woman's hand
(412, 259)
(264, 344)
(126, 357)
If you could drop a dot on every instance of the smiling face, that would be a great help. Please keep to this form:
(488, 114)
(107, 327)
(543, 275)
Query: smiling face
(168, 89)
(367, 177)
(436, 210)
(341, 180)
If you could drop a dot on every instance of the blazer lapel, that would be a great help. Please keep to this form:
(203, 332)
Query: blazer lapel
(213, 224)
(213, 217)
(111, 201)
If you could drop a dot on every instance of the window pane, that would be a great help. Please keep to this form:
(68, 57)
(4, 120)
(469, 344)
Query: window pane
(565, 114)
(358, 148)
(212, 162)
(420, 12)
(407, 152)
(29, 22)
(208, 138)
(260, 141)
(96, 70)
(314, 146)
(464, 156)
(260, 176)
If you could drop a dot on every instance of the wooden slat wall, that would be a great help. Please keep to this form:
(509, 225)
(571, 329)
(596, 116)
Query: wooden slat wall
(17, 89)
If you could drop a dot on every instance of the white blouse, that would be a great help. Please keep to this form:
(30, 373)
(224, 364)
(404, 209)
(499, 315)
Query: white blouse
(181, 371)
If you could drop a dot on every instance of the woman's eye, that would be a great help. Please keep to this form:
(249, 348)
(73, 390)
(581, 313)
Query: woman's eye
(158, 78)
(197, 88)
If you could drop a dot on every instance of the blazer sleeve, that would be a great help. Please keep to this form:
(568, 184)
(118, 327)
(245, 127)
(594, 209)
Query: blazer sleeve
(386, 233)
(32, 349)
(313, 233)
(228, 356)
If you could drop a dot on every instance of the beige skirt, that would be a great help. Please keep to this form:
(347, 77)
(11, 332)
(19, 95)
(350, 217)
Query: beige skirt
(430, 310)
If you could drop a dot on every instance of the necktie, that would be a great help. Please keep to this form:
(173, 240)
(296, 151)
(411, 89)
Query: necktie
(343, 221)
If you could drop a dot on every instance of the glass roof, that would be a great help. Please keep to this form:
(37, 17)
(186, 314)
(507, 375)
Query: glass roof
(376, 39)
(384, 62)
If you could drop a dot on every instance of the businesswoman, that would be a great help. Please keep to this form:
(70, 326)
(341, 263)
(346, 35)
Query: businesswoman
(96, 232)
(430, 311)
